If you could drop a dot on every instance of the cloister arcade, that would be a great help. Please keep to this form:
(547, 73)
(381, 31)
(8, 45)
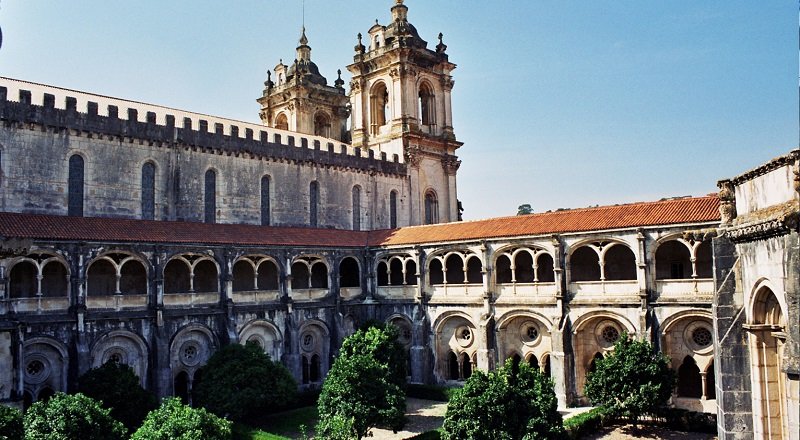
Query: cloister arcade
(526, 280)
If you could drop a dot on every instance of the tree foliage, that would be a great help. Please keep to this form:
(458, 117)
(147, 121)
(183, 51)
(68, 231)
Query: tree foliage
(241, 382)
(511, 403)
(10, 423)
(365, 387)
(71, 416)
(631, 381)
(117, 387)
(524, 209)
(175, 421)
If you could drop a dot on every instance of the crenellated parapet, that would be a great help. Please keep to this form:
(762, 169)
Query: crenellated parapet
(164, 126)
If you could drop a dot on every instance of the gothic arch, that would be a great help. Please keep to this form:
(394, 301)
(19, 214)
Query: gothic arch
(322, 124)
(455, 345)
(124, 347)
(266, 335)
(314, 346)
(127, 278)
(181, 268)
(45, 365)
(316, 269)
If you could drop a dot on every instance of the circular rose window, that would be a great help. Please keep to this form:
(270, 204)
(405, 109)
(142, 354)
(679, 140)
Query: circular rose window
(702, 337)
(464, 336)
(610, 334)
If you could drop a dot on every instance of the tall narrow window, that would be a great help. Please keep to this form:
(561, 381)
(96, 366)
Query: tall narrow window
(427, 105)
(148, 191)
(393, 209)
(281, 122)
(211, 197)
(378, 103)
(431, 208)
(75, 186)
(265, 218)
(322, 125)
(313, 200)
(356, 208)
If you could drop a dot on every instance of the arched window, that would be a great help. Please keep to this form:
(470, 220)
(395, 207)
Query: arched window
(177, 277)
(396, 267)
(205, 277)
(584, 265)
(265, 217)
(523, 267)
(393, 209)
(431, 208)
(411, 273)
(313, 200)
(454, 266)
(356, 208)
(210, 199)
(267, 276)
(243, 276)
(101, 278)
(619, 263)
(54, 279)
(319, 276)
(322, 125)
(704, 260)
(690, 384)
(148, 191)
(349, 274)
(474, 270)
(427, 105)
(133, 278)
(282, 122)
(453, 366)
(503, 269)
(378, 103)
(544, 268)
(532, 361)
(75, 186)
(673, 261)
(435, 272)
(300, 276)
(23, 283)
(383, 274)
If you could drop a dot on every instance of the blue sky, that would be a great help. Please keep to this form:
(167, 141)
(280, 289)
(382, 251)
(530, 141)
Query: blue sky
(559, 103)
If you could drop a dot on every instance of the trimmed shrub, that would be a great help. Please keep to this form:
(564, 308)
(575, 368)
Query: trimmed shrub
(632, 381)
(511, 403)
(365, 387)
(175, 421)
(10, 423)
(117, 387)
(71, 416)
(581, 425)
(241, 382)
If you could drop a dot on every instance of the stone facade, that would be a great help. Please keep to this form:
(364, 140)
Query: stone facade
(153, 236)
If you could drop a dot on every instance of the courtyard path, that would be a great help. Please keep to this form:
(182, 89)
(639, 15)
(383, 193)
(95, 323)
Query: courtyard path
(427, 415)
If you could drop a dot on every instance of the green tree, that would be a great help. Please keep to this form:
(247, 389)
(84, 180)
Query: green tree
(511, 403)
(241, 382)
(631, 381)
(10, 423)
(524, 209)
(71, 416)
(117, 387)
(175, 421)
(365, 387)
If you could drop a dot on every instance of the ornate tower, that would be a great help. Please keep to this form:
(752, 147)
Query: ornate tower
(300, 100)
(400, 103)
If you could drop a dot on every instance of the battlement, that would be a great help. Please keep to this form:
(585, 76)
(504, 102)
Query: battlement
(27, 102)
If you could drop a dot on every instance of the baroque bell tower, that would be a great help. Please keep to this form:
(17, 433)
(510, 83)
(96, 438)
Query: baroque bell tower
(300, 99)
(400, 104)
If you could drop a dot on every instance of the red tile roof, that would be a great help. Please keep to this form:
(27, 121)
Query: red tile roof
(665, 212)
(94, 229)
